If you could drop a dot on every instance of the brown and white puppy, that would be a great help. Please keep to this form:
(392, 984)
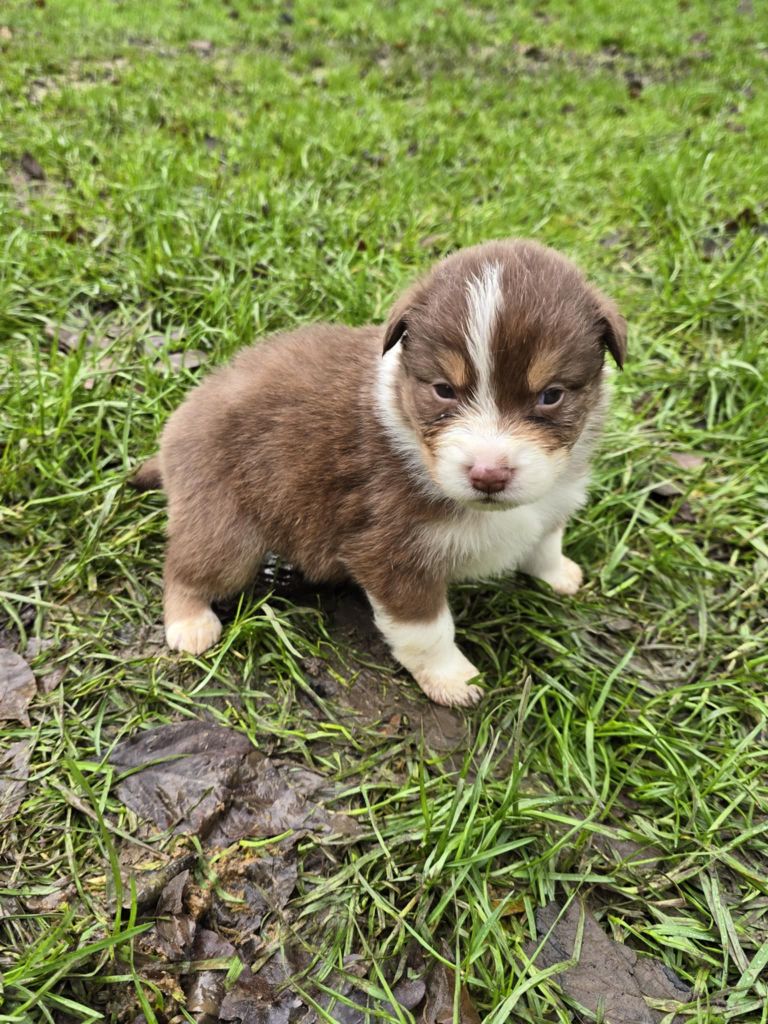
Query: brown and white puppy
(451, 443)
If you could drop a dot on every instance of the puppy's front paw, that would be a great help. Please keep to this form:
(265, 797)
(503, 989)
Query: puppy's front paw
(452, 688)
(567, 579)
(195, 634)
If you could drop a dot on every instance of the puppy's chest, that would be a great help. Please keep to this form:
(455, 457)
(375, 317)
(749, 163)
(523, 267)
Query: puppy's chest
(479, 544)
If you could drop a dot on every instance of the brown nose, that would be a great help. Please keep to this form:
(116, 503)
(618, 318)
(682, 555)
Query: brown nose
(489, 479)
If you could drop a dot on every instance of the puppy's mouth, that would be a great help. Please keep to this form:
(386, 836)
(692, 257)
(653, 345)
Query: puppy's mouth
(490, 502)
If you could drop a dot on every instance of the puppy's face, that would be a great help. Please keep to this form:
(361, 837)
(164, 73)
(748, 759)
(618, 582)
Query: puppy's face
(493, 371)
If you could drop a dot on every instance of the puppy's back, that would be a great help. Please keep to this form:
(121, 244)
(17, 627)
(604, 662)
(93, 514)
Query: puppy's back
(282, 431)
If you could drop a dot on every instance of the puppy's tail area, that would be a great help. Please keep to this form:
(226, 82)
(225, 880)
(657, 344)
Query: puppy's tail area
(148, 476)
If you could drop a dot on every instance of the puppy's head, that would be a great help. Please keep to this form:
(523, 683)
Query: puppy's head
(493, 371)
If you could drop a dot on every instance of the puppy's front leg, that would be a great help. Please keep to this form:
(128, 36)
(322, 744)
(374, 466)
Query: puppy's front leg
(547, 562)
(426, 648)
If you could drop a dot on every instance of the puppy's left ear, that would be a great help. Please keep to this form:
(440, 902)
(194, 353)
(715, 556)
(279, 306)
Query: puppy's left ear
(400, 315)
(613, 328)
(397, 329)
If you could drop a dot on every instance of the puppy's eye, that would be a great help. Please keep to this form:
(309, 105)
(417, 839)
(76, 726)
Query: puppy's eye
(550, 398)
(444, 391)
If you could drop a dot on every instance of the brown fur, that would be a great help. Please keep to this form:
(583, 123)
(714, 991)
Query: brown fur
(282, 450)
(252, 462)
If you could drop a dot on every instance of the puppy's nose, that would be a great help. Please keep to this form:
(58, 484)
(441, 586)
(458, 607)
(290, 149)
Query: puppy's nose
(489, 479)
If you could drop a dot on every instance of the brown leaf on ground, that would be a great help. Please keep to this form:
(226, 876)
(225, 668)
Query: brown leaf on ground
(39, 88)
(105, 367)
(210, 781)
(36, 645)
(6, 34)
(65, 337)
(62, 891)
(204, 993)
(155, 343)
(613, 238)
(256, 883)
(687, 460)
(47, 683)
(666, 489)
(204, 778)
(639, 858)
(608, 977)
(17, 687)
(14, 772)
(202, 47)
(438, 1008)
(635, 85)
(31, 168)
(263, 998)
(70, 338)
(174, 362)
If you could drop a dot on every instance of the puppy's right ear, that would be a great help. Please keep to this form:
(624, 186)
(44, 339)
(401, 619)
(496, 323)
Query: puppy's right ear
(397, 330)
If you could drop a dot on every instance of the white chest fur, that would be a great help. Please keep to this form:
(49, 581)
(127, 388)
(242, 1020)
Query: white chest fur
(480, 543)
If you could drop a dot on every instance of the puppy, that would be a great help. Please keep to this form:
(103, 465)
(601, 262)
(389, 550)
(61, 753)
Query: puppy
(452, 443)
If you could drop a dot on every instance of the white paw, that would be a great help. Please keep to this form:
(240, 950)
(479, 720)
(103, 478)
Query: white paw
(567, 579)
(195, 634)
(454, 690)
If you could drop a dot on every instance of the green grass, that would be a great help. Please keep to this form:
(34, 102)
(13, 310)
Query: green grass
(306, 167)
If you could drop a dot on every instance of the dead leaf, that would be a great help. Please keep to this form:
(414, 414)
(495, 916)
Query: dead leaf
(62, 891)
(105, 365)
(210, 781)
(32, 168)
(438, 1008)
(635, 86)
(39, 88)
(666, 489)
(175, 929)
(17, 687)
(5, 33)
(202, 47)
(147, 878)
(255, 885)
(642, 858)
(687, 460)
(609, 978)
(619, 624)
(746, 218)
(262, 998)
(65, 337)
(612, 239)
(509, 907)
(204, 993)
(685, 513)
(48, 683)
(190, 359)
(14, 772)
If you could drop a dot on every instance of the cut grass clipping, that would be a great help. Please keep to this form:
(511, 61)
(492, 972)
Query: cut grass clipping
(310, 839)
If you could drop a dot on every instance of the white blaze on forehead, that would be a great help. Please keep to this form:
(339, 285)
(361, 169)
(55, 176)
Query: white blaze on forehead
(484, 301)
